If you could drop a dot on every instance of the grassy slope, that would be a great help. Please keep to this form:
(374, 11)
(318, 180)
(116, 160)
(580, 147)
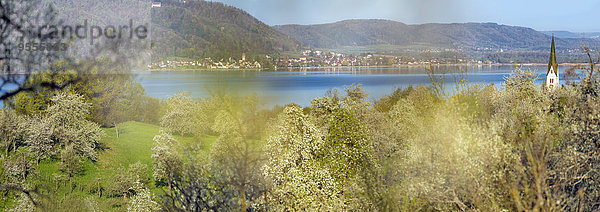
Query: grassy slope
(134, 144)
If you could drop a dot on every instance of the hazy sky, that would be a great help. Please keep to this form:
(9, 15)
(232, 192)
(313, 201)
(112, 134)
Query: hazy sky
(571, 15)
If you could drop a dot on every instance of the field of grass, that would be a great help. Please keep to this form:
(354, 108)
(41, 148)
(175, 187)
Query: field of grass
(134, 144)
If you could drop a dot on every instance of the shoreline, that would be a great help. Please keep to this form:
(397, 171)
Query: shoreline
(359, 67)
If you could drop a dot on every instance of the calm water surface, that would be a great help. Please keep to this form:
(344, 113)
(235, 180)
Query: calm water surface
(300, 86)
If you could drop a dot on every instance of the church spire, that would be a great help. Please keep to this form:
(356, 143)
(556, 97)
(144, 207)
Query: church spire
(552, 79)
(553, 64)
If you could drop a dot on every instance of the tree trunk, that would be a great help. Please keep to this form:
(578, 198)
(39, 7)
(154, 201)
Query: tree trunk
(265, 198)
(99, 194)
(117, 129)
(24, 165)
(125, 196)
(243, 199)
(169, 183)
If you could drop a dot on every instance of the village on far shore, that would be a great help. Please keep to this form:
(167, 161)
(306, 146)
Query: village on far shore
(319, 59)
(309, 59)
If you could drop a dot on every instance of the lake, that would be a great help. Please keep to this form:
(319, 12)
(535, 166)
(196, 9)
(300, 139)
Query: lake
(301, 86)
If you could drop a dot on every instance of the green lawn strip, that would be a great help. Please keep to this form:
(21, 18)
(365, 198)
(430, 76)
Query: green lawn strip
(134, 144)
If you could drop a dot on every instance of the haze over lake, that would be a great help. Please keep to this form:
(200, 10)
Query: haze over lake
(300, 86)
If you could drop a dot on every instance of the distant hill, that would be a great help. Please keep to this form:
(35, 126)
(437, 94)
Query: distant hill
(101, 12)
(468, 36)
(212, 29)
(575, 35)
(198, 29)
(194, 29)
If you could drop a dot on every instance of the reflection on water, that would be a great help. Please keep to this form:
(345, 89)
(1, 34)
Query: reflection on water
(300, 86)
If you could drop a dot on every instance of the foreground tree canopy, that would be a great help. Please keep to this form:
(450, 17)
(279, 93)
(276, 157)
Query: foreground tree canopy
(519, 148)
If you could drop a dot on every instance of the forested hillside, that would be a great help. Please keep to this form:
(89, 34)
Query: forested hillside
(101, 12)
(195, 29)
(567, 34)
(469, 36)
(211, 29)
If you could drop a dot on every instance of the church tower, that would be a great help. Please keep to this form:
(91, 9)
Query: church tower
(552, 74)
